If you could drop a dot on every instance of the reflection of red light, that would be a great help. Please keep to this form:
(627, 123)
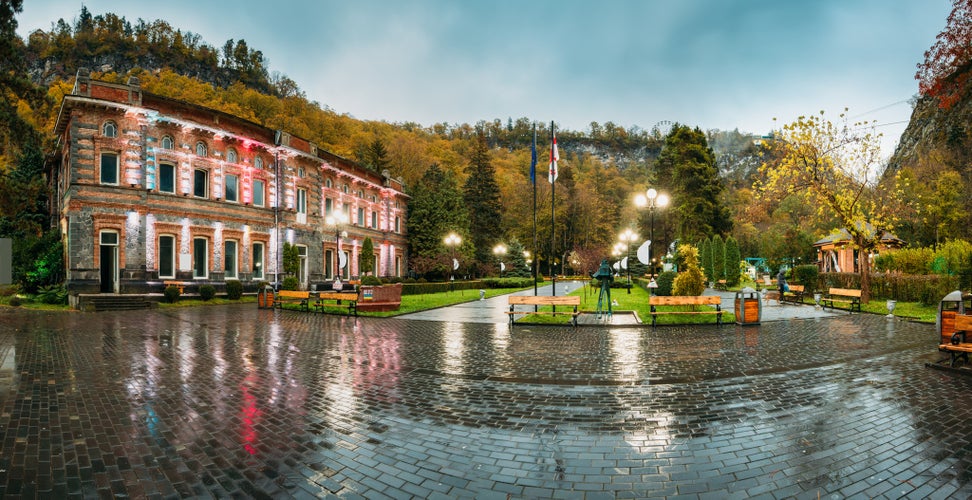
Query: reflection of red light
(250, 415)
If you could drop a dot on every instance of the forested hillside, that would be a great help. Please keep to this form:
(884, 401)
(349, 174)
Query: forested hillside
(709, 172)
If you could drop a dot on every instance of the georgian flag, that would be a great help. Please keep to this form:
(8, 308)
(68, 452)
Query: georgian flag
(554, 157)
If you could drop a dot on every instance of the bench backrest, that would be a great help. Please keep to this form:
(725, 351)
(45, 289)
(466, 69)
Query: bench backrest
(293, 294)
(845, 292)
(963, 322)
(796, 288)
(684, 300)
(337, 296)
(545, 300)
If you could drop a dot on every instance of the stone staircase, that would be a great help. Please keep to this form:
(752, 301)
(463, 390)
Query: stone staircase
(112, 302)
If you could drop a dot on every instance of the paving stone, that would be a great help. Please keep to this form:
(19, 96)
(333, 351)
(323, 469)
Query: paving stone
(237, 401)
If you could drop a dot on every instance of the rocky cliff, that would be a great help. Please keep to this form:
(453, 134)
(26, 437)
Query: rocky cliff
(936, 139)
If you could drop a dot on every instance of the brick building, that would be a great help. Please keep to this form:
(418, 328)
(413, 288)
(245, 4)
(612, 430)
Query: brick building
(149, 189)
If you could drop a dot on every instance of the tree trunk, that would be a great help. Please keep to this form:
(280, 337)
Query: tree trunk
(864, 265)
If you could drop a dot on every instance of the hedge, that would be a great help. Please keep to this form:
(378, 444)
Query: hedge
(927, 289)
(445, 286)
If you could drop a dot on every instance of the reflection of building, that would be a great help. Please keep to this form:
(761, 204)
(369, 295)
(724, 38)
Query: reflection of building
(151, 189)
(837, 252)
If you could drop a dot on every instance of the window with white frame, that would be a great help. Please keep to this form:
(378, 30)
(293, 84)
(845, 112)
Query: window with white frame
(167, 177)
(109, 129)
(259, 193)
(200, 183)
(167, 256)
(200, 258)
(201, 149)
(258, 261)
(229, 259)
(231, 156)
(374, 219)
(302, 263)
(232, 188)
(361, 218)
(328, 206)
(302, 201)
(258, 162)
(167, 142)
(327, 183)
(109, 168)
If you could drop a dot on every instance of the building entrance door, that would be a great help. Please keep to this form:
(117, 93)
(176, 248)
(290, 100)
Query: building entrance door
(109, 262)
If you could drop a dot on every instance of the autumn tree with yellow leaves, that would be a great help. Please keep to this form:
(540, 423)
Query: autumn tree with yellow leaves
(833, 168)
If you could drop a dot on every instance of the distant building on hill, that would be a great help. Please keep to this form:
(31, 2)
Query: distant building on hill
(149, 189)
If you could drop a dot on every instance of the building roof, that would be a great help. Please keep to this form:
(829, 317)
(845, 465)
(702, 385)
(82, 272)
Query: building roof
(843, 236)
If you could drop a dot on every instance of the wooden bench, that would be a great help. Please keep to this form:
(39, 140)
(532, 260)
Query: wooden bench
(181, 285)
(543, 300)
(955, 344)
(289, 296)
(848, 296)
(795, 294)
(683, 300)
(337, 297)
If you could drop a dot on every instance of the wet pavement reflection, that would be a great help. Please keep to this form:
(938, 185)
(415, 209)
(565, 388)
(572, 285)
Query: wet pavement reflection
(237, 401)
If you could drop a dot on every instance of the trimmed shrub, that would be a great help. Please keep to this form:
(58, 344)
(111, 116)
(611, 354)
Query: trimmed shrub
(807, 276)
(290, 283)
(371, 281)
(171, 294)
(665, 281)
(691, 281)
(234, 289)
(207, 292)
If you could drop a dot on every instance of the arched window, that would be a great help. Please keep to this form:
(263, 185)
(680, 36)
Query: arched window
(258, 162)
(109, 129)
(231, 155)
(167, 142)
(327, 183)
(201, 149)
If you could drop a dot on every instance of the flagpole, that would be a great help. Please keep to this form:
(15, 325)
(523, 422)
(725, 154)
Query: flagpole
(533, 171)
(553, 190)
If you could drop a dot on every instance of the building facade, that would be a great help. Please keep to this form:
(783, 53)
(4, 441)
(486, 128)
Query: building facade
(150, 190)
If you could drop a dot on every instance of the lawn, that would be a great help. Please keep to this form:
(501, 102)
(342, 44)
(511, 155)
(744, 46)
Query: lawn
(636, 301)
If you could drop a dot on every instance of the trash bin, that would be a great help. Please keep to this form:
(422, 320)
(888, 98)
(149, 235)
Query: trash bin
(748, 307)
(949, 306)
(265, 298)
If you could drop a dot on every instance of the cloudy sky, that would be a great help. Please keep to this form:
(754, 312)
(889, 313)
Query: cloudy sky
(722, 64)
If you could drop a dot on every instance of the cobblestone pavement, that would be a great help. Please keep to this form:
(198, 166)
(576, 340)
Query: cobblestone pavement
(236, 401)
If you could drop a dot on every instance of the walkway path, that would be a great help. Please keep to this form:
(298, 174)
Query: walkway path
(493, 310)
(234, 401)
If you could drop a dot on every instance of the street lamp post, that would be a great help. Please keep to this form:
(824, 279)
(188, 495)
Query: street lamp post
(452, 240)
(499, 251)
(627, 237)
(336, 221)
(652, 199)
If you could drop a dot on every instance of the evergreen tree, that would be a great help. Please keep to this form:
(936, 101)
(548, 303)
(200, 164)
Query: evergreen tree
(436, 209)
(376, 156)
(687, 164)
(516, 266)
(733, 257)
(482, 197)
(366, 259)
(718, 250)
(705, 259)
